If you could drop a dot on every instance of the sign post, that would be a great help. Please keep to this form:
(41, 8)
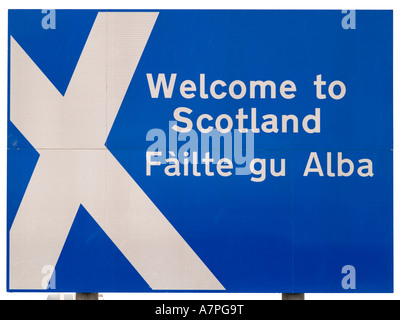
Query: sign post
(87, 296)
(292, 296)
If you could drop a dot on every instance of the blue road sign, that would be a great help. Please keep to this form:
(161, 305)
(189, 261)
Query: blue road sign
(179, 150)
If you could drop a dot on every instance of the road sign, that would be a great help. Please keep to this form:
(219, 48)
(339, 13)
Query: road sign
(227, 151)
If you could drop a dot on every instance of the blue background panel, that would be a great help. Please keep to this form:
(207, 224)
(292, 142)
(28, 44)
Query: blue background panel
(336, 228)
(285, 234)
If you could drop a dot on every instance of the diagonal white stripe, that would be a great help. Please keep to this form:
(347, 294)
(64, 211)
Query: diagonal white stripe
(34, 100)
(145, 236)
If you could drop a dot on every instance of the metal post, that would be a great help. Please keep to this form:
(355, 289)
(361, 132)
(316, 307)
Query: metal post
(292, 296)
(87, 296)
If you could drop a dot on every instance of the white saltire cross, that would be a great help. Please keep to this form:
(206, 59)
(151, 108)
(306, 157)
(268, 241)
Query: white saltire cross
(75, 168)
